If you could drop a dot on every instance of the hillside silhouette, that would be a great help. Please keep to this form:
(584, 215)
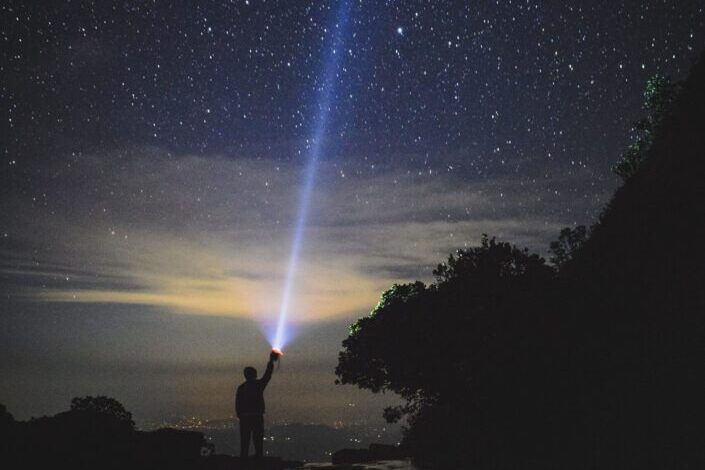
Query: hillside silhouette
(635, 325)
(596, 361)
(97, 432)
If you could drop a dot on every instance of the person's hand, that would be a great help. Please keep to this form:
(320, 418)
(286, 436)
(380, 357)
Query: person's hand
(274, 355)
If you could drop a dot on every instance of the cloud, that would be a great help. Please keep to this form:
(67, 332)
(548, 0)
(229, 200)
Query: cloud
(210, 235)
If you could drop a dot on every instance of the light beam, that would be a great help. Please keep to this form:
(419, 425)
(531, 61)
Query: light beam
(326, 90)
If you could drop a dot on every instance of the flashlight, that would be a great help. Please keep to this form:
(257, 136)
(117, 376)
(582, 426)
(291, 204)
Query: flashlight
(276, 354)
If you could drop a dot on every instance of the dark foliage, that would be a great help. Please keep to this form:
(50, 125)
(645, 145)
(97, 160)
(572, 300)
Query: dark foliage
(433, 345)
(505, 364)
(659, 97)
(569, 241)
(96, 433)
(105, 406)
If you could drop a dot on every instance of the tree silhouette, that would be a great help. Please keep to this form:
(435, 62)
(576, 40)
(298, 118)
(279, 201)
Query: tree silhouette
(103, 405)
(438, 346)
(659, 95)
(569, 241)
(97, 432)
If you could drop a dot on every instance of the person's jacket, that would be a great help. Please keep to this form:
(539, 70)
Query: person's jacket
(249, 399)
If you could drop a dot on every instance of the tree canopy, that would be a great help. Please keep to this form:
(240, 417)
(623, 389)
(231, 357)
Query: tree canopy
(659, 94)
(437, 345)
(569, 242)
(103, 405)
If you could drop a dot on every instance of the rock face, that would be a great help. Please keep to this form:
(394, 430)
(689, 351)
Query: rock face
(373, 453)
(170, 445)
(377, 465)
(227, 462)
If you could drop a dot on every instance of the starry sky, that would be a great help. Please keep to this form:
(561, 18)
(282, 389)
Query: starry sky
(153, 157)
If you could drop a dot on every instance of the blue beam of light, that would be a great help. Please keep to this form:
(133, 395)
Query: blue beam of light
(315, 146)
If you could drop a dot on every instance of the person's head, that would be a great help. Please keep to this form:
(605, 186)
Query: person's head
(250, 373)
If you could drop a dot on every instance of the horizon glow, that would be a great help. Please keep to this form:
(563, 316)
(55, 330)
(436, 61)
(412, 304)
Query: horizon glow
(282, 334)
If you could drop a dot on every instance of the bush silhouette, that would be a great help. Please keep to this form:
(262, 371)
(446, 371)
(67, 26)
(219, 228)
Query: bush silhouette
(103, 405)
(97, 432)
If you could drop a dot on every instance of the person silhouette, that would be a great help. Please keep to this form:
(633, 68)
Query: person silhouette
(249, 407)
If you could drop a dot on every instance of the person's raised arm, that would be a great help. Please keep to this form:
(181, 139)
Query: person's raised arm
(268, 373)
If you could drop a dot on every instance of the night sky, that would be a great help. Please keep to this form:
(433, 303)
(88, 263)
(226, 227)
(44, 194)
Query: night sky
(153, 157)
